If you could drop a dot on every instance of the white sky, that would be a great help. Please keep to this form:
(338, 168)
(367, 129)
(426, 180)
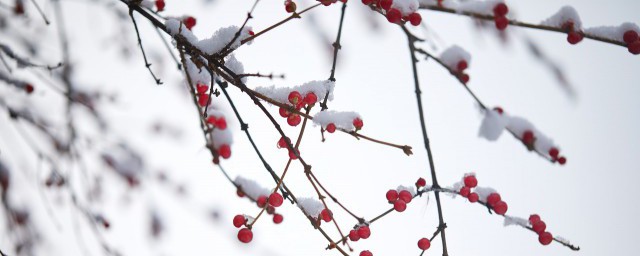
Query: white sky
(591, 201)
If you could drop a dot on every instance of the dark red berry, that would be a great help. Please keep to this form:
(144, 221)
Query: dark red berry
(415, 19)
(424, 244)
(294, 120)
(284, 112)
(290, 6)
(501, 22)
(500, 9)
(366, 253)
(528, 138)
(634, 47)
(470, 181)
(245, 235)
(225, 151)
(405, 196)
(574, 37)
(367, 2)
(493, 198)
(357, 122)
(562, 160)
(28, 88)
(271, 209)
(353, 235)
(553, 152)
(545, 238)
(277, 218)
(292, 155)
(160, 5)
(539, 226)
(394, 15)
(275, 199)
(189, 22)
(239, 220)
(500, 207)
(533, 218)
(326, 215)
(262, 201)
(364, 232)
(421, 182)
(465, 191)
(392, 195)
(473, 197)
(630, 36)
(331, 128)
(462, 65)
(385, 4)
(399, 205)
(499, 110)
(310, 98)
(465, 78)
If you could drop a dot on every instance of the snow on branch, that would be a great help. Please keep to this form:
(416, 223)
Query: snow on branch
(281, 94)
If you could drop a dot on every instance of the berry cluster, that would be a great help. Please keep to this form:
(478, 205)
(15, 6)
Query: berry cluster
(298, 102)
(632, 40)
(399, 199)
(360, 232)
(202, 94)
(290, 6)
(538, 226)
(493, 200)
(529, 140)
(574, 36)
(393, 13)
(500, 16)
(460, 68)
(282, 143)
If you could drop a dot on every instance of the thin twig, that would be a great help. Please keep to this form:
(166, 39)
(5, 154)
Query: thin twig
(144, 55)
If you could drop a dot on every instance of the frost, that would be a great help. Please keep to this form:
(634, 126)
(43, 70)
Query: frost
(236, 66)
(562, 240)
(148, 4)
(492, 125)
(175, 26)
(343, 120)
(411, 189)
(221, 38)
(310, 206)
(198, 75)
(483, 192)
(320, 88)
(454, 54)
(406, 7)
(613, 32)
(519, 125)
(483, 7)
(221, 137)
(566, 13)
(251, 188)
(511, 220)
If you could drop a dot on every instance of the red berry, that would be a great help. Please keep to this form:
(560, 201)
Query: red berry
(294, 97)
(473, 197)
(499, 110)
(533, 218)
(399, 205)
(634, 47)
(211, 120)
(357, 122)
(331, 128)
(528, 138)
(421, 182)
(539, 226)
(290, 6)
(366, 253)
(239, 193)
(245, 235)
(367, 2)
(310, 98)
(251, 33)
(568, 26)
(28, 88)
(394, 15)
(385, 4)
(405, 196)
(284, 112)
(465, 191)
(462, 65)
(262, 201)
(239, 220)
(326, 215)
(294, 120)
(501, 22)
(271, 209)
(292, 155)
(189, 22)
(553, 152)
(500, 207)
(500, 9)
(630, 36)
(203, 100)
(18, 9)
(470, 181)
(221, 123)
(424, 244)
(275, 199)
(282, 143)
(364, 232)
(392, 195)
(353, 235)
(277, 218)
(493, 198)
(562, 160)
(225, 151)
(465, 78)
(160, 5)
(545, 238)
(415, 19)
(574, 37)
